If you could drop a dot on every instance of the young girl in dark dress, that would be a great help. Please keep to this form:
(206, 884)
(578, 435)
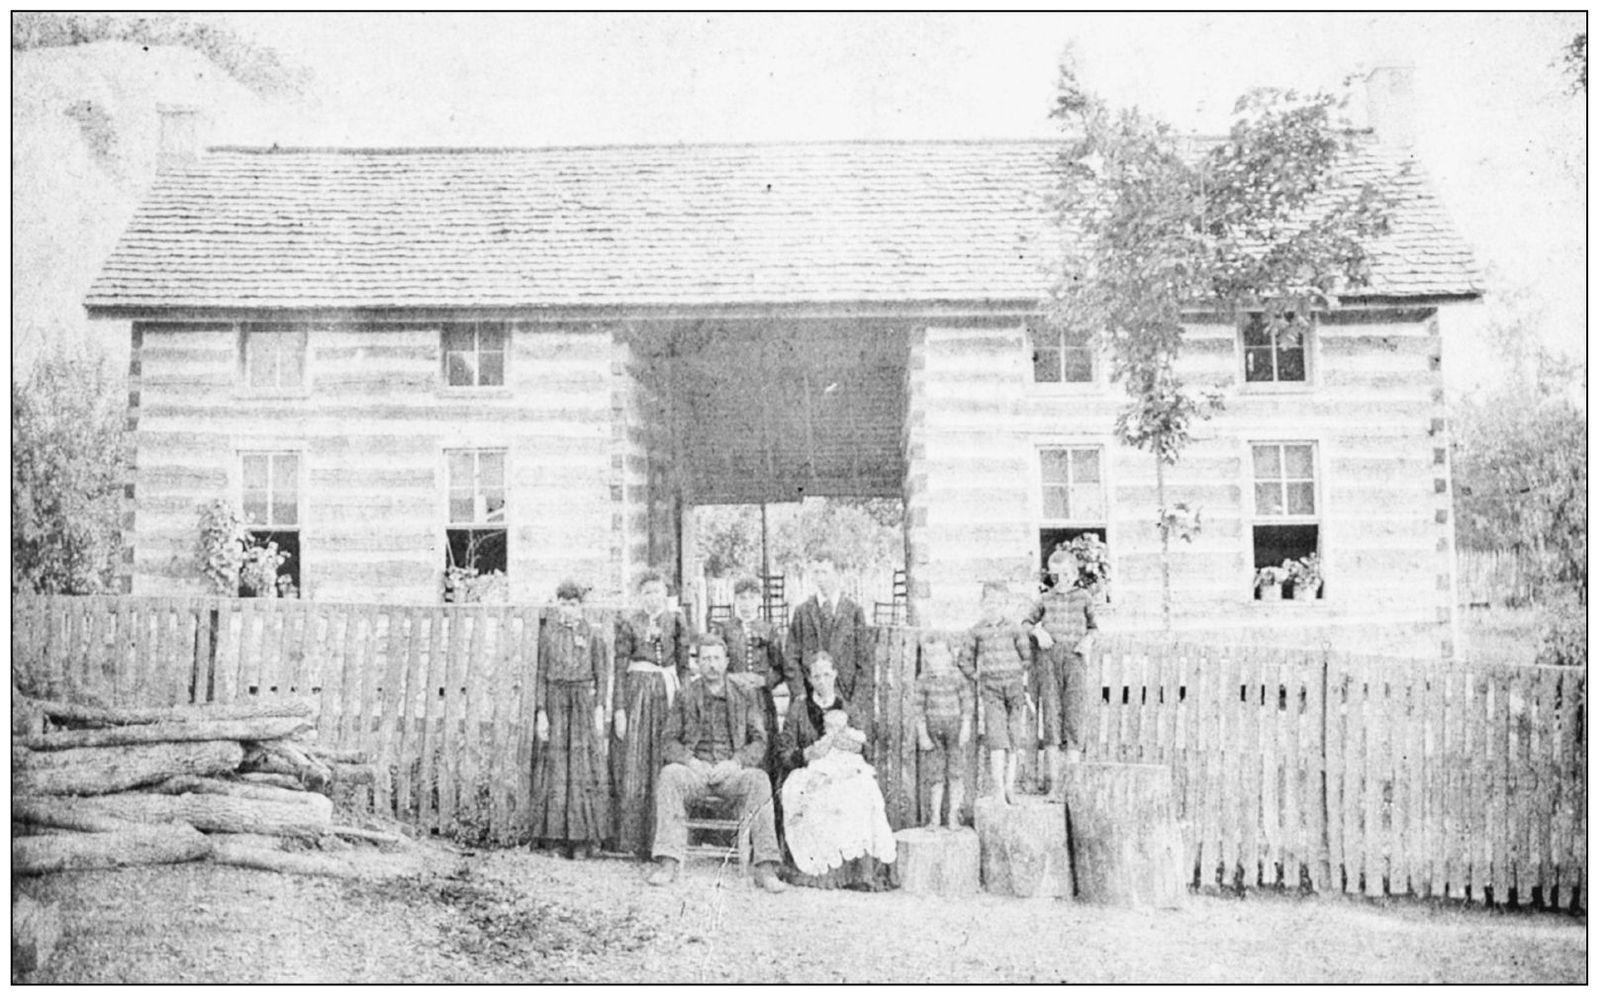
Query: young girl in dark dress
(651, 659)
(571, 792)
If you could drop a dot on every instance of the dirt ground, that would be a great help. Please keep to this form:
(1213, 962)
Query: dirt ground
(512, 916)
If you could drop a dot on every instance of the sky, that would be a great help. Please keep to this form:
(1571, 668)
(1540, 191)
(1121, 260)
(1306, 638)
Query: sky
(1503, 141)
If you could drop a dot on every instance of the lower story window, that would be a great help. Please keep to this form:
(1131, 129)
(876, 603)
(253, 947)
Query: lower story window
(271, 510)
(477, 528)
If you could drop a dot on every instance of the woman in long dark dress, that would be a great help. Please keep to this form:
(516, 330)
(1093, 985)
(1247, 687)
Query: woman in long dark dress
(838, 834)
(651, 658)
(571, 791)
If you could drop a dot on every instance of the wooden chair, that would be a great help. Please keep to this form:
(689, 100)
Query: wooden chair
(711, 813)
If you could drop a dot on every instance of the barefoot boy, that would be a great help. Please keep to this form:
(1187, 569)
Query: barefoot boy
(993, 656)
(1064, 627)
(943, 728)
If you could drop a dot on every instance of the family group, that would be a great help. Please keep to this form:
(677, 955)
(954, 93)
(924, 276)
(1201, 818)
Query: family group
(695, 721)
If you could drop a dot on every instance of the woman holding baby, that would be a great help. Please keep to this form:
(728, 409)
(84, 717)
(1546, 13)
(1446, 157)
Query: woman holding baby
(837, 832)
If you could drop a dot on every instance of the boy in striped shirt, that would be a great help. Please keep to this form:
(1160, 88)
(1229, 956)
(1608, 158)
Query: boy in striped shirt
(993, 656)
(1064, 624)
(943, 729)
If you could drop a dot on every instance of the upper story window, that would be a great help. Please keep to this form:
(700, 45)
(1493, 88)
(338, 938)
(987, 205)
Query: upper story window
(274, 357)
(473, 353)
(1275, 353)
(1062, 356)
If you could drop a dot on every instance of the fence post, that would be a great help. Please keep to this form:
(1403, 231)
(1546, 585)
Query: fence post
(1327, 855)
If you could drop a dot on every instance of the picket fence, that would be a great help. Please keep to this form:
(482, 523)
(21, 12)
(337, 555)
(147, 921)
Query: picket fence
(1345, 773)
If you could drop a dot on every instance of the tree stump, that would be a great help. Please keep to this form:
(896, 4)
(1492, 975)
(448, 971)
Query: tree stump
(1127, 845)
(1025, 847)
(938, 862)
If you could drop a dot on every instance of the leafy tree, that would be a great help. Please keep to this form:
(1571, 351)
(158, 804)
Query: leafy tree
(729, 539)
(846, 530)
(1157, 226)
(1576, 63)
(66, 475)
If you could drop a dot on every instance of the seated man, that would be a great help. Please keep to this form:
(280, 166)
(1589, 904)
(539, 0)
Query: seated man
(715, 743)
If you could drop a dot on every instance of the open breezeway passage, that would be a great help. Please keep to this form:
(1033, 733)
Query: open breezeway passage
(515, 917)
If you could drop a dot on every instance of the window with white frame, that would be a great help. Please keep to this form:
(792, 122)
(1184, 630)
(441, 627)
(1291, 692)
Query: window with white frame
(474, 354)
(270, 491)
(477, 528)
(1062, 356)
(1072, 499)
(1285, 523)
(274, 357)
(1275, 352)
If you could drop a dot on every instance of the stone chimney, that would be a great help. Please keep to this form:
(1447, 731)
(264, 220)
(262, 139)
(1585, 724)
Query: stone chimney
(1389, 99)
(180, 140)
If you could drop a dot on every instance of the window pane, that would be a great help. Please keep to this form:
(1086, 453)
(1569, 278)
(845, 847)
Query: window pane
(1300, 499)
(1081, 367)
(493, 338)
(1291, 365)
(254, 509)
(292, 350)
(1047, 366)
(491, 369)
(254, 472)
(460, 469)
(494, 505)
(1053, 466)
(259, 361)
(1266, 463)
(460, 369)
(1299, 463)
(285, 472)
(1255, 332)
(1260, 365)
(1042, 338)
(1055, 503)
(1085, 504)
(461, 507)
(285, 509)
(457, 338)
(1085, 466)
(491, 475)
(1267, 499)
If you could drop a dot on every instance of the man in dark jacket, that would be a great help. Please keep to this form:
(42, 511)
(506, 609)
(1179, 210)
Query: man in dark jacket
(829, 621)
(715, 743)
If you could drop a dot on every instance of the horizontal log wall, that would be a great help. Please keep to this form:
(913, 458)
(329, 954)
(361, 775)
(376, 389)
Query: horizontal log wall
(1373, 410)
(371, 428)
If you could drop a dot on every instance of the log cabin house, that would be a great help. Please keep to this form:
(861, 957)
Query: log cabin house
(397, 359)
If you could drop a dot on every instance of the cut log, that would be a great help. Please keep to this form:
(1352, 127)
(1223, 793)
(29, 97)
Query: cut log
(260, 841)
(100, 770)
(68, 713)
(373, 836)
(938, 862)
(65, 814)
(1127, 846)
(1025, 847)
(283, 757)
(305, 819)
(35, 929)
(300, 864)
(244, 790)
(335, 755)
(267, 728)
(163, 845)
(275, 781)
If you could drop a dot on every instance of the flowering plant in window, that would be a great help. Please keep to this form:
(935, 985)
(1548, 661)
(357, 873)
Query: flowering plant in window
(465, 584)
(1305, 573)
(260, 571)
(1090, 554)
(1265, 577)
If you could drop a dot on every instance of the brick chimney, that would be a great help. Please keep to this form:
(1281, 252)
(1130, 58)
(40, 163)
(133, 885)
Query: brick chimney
(180, 140)
(1389, 99)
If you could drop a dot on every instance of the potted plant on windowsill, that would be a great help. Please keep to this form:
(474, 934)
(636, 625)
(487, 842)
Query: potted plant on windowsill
(1269, 581)
(1306, 577)
(1090, 554)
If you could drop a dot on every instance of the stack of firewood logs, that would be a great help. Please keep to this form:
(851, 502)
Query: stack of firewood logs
(103, 788)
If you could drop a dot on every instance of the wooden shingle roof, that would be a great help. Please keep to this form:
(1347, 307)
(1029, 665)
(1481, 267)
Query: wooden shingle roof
(643, 227)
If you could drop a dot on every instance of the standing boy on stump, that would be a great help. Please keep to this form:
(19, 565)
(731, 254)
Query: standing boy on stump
(944, 730)
(994, 656)
(1064, 624)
